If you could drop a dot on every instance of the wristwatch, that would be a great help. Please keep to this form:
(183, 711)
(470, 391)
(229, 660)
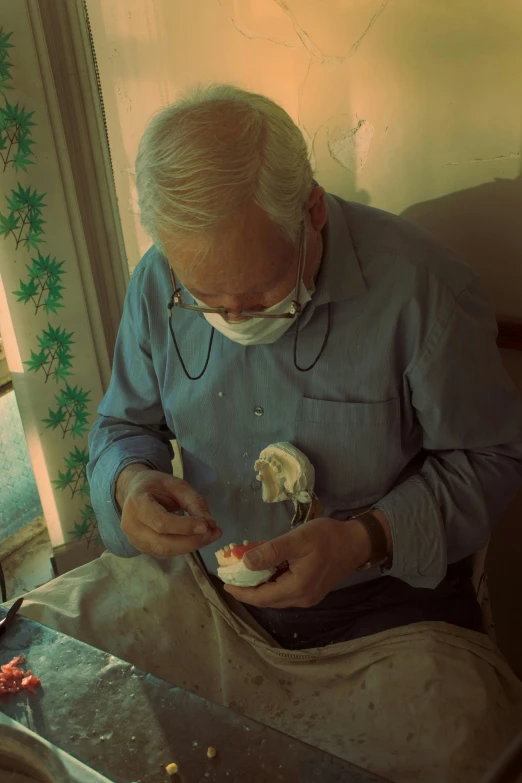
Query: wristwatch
(379, 552)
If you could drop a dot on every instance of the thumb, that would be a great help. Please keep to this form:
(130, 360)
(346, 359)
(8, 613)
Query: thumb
(272, 553)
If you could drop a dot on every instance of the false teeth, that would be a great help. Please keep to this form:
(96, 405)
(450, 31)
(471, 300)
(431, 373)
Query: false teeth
(286, 474)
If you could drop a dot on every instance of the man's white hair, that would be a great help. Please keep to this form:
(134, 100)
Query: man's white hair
(201, 159)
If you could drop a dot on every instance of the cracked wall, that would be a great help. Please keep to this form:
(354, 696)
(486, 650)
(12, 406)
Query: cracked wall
(408, 106)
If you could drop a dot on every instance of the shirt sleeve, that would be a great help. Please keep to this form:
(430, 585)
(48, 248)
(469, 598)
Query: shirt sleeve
(131, 425)
(471, 416)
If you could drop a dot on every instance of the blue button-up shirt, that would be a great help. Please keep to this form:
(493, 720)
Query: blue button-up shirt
(408, 409)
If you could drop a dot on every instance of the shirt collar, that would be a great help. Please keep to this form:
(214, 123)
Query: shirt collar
(340, 275)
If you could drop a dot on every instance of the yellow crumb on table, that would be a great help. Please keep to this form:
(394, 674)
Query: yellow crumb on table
(211, 753)
(172, 769)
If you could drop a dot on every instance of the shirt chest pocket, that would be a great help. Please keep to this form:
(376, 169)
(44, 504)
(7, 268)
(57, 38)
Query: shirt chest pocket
(355, 448)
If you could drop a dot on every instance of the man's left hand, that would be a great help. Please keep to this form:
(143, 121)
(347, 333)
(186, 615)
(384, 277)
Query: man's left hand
(320, 554)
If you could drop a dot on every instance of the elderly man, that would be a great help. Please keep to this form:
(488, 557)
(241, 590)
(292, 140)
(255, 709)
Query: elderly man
(268, 310)
(388, 378)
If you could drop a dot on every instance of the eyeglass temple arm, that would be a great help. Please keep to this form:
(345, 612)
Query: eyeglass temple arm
(300, 269)
(175, 287)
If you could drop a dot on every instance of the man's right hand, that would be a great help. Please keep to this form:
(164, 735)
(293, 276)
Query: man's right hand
(149, 499)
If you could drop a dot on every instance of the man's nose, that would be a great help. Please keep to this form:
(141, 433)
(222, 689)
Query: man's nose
(235, 305)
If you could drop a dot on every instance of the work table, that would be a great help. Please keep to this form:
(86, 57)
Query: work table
(129, 725)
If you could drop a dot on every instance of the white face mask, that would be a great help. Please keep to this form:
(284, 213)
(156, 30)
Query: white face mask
(260, 331)
(263, 331)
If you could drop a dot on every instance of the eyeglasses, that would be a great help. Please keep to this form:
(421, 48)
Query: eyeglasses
(176, 299)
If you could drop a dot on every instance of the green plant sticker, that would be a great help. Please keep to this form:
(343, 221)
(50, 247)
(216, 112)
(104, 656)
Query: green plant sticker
(88, 528)
(15, 132)
(24, 220)
(5, 63)
(54, 356)
(74, 477)
(71, 414)
(43, 287)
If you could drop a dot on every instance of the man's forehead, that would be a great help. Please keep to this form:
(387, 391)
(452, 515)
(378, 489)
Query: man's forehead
(242, 257)
(231, 272)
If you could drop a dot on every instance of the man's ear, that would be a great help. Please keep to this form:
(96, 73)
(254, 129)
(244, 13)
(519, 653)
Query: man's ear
(317, 207)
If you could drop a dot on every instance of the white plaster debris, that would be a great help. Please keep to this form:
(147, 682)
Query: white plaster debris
(349, 140)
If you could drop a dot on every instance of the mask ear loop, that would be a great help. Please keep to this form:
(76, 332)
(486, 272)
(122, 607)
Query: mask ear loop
(170, 307)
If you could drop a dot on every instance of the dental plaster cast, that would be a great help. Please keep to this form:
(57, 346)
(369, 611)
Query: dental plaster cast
(286, 474)
(233, 571)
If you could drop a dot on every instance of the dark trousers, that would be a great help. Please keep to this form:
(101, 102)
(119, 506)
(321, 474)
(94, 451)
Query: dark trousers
(379, 605)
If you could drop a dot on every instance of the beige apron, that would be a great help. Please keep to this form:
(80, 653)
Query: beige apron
(427, 702)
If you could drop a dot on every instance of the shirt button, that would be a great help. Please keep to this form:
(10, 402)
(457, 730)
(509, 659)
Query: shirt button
(256, 485)
(258, 410)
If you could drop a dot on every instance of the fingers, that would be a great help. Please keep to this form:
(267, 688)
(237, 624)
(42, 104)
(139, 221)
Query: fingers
(152, 514)
(281, 594)
(318, 556)
(149, 542)
(172, 493)
(271, 554)
(153, 520)
(191, 501)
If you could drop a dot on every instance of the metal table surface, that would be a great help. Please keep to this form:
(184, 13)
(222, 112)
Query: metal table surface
(128, 725)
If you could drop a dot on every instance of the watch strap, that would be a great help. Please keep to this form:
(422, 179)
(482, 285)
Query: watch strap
(379, 550)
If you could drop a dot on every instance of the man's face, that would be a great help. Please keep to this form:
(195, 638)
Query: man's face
(250, 267)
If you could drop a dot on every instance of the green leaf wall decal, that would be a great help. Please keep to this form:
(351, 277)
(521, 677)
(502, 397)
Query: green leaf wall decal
(54, 356)
(24, 220)
(5, 62)
(74, 477)
(43, 286)
(15, 136)
(71, 413)
(88, 527)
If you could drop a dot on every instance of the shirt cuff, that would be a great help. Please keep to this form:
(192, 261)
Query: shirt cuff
(103, 489)
(418, 536)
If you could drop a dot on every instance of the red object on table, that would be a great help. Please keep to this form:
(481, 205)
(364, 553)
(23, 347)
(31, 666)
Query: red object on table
(13, 679)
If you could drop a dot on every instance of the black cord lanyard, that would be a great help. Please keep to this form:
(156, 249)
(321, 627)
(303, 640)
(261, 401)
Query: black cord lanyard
(190, 377)
(323, 346)
(211, 340)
